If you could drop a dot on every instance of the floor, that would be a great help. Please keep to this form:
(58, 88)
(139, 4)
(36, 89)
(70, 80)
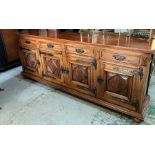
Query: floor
(24, 101)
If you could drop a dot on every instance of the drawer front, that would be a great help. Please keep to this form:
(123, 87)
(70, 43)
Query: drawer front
(122, 70)
(50, 52)
(121, 57)
(51, 46)
(80, 50)
(28, 43)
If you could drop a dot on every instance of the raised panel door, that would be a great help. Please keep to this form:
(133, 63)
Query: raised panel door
(81, 73)
(52, 67)
(120, 85)
(30, 61)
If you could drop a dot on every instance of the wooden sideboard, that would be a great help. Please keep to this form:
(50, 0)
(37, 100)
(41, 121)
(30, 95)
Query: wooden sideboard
(95, 69)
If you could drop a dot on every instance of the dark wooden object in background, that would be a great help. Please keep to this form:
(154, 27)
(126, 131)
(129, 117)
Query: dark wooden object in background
(9, 53)
(112, 76)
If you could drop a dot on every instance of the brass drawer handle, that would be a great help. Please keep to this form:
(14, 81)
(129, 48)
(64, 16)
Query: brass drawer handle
(78, 50)
(50, 45)
(119, 57)
(27, 42)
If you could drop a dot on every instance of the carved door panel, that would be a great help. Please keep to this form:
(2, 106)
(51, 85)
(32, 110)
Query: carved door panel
(81, 75)
(120, 85)
(52, 67)
(30, 61)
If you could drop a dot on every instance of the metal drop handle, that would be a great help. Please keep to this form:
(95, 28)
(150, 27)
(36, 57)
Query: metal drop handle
(28, 42)
(38, 62)
(78, 50)
(119, 57)
(50, 45)
(100, 80)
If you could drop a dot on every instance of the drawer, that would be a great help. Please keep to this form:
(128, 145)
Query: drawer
(51, 46)
(28, 43)
(121, 70)
(50, 53)
(80, 50)
(121, 57)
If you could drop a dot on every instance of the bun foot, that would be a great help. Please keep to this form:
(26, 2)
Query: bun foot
(137, 120)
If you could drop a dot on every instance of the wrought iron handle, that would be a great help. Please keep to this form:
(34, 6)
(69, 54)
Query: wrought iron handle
(119, 57)
(64, 70)
(99, 79)
(135, 104)
(27, 42)
(78, 50)
(139, 72)
(50, 45)
(24, 49)
(38, 62)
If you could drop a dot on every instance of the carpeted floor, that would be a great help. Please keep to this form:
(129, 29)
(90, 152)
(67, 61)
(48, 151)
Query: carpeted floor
(25, 101)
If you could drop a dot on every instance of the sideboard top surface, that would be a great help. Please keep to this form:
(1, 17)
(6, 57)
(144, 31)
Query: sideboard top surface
(111, 40)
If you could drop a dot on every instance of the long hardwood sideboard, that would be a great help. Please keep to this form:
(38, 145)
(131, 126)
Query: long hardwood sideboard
(98, 70)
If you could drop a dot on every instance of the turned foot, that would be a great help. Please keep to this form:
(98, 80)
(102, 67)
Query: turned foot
(137, 120)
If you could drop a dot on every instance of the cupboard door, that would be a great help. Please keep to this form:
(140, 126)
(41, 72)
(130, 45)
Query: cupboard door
(81, 74)
(29, 61)
(52, 67)
(120, 85)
